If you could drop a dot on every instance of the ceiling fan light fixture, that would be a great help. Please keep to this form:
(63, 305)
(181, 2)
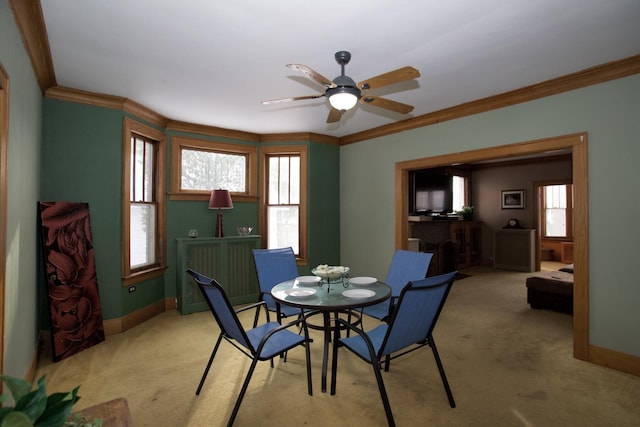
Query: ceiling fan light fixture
(343, 100)
(344, 93)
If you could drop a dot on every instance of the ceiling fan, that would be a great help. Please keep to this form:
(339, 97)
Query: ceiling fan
(344, 93)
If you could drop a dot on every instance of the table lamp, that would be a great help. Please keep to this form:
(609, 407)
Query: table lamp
(220, 199)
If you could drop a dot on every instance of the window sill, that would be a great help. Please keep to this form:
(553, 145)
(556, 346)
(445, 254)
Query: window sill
(205, 196)
(143, 275)
(557, 239)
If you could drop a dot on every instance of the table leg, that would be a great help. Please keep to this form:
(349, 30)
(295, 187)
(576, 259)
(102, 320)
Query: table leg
(325, 352)
(334, 358)
(328, 329)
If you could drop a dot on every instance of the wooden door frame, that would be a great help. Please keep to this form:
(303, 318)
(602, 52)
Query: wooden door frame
(4, 152)
(577, 143)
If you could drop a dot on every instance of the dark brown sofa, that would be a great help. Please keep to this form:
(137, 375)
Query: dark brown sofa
(552, 290)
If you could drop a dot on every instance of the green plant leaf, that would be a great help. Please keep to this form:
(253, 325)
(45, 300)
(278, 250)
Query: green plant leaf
(17, 386)
(16, 419)
(32, 404)
(55, 398)
(3, 413)
(33, 407)
(58, 409)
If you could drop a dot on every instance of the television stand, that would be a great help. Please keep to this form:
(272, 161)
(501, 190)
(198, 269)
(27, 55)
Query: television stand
(447, 218)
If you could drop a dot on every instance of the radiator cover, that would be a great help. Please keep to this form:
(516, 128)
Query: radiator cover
(229, 260)
(514, 249)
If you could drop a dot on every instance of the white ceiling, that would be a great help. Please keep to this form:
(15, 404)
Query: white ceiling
(212, 62)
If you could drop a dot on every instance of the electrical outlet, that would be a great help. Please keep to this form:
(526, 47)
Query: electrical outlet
(132, 289)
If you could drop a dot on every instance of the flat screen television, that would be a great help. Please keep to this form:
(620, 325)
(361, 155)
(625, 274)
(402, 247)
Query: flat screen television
(430, 193)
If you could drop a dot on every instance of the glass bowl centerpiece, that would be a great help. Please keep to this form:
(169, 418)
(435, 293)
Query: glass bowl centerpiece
(332, 274)
(244, 231)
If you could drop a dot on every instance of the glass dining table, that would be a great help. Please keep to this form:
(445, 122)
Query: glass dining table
(330, 300)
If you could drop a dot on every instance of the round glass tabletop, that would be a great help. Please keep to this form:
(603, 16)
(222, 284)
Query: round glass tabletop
(337, 297)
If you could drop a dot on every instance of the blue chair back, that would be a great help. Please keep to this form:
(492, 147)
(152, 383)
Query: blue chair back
(221, 309)
(405, 267)
(416, 312)
(274, 266)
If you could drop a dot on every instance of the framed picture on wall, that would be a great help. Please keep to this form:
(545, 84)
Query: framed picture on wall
(512, 199)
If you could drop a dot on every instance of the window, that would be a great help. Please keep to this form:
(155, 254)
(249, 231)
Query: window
(143, 203)
(459, 192)
(206, 170)
(557, 203)
(283, 222)
(199, 166)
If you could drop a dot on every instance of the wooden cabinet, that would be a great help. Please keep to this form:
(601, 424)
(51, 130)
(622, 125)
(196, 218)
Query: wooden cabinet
(566, 252)
(455, 244)
(468, 238)
(229, 260)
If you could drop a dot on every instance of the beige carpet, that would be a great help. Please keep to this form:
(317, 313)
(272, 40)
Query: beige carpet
(508, 365)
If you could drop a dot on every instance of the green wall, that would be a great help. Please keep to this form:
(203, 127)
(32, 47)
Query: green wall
(83, 147)
(23, 163)
(608, 112)
(324, 206)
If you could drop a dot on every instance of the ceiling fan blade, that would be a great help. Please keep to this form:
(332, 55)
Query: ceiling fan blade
(392, 77)
(334, 115)
(312, 75)
(388, 104)
(293, 98)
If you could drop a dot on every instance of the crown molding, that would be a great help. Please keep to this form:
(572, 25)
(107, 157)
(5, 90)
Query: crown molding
(587, 77)
(177, 126)
(84, 97)
(300, 136)
(145, 113)
(30, 21)
(106, 101)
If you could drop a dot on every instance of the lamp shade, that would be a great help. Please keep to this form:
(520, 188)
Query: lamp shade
(343, 100)
(220, 199)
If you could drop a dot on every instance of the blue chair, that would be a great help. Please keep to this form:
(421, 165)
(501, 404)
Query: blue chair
(410, 327)
(275, 266)
(259, 344)
(405, 267)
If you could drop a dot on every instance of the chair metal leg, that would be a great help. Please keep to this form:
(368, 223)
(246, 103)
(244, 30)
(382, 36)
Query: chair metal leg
(279, 318)
(243, 390)
(308, 355)
(206, 370)
(383, 392)
(255, 319)
(432, 344)
(376, 364)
